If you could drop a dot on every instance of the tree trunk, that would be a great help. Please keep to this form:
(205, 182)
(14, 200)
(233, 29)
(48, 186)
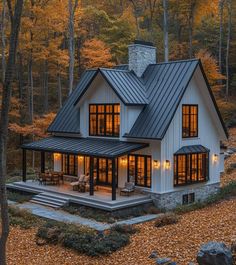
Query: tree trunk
(221, 7)
(59, 89)
(165, 28)
(3, 39)
(45, 87)
(190, 27)
(72, 9)
(6, 97)
(229, 6)
(30, 90)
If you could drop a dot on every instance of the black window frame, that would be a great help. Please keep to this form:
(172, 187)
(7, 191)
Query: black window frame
(189, 121)
(187, 169)
(145, 170)
(66, 170)
(105, 113)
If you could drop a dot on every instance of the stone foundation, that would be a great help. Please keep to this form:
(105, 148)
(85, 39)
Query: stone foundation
(172, 199)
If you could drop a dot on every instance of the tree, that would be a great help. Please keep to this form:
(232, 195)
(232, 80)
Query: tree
(15, 19)
(72, 7)
(229, 8)
(165, 28)
(3, 39)
(96, 54)
(221, 7)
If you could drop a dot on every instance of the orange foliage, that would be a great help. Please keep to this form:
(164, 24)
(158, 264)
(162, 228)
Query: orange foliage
(38, 128)
(96, 54)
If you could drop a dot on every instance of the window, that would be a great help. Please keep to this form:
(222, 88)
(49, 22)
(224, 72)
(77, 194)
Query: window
(188, 198)
(189, 121)
(104, 120)
(139, 168)
(190, 168)
(70, 165)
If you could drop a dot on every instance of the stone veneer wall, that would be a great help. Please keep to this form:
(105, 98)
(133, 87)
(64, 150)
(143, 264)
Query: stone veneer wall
(172, 199)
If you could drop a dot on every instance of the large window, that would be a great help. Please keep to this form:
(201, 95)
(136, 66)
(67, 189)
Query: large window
(70, 165)
(189, 121)
(191, 168)
(104, 120)
(139, 170)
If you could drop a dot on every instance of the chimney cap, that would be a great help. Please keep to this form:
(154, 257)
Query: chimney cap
(142, 42)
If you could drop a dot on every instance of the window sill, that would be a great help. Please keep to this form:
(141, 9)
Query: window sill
(190, 138)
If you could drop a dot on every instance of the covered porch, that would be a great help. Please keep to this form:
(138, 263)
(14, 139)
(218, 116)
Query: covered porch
(98, 158)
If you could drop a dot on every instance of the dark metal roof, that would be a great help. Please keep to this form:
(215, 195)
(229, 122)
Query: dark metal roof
(128, 87)
(122, 67)
(67, 119)
(165, 85)
(85, 146)
(192, 149)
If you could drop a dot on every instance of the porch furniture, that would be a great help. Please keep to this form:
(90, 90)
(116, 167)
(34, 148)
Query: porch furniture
(75, 184)
(128, 189)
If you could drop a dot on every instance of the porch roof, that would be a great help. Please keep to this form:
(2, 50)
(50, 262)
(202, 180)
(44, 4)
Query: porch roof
(192, 149)
(85, 146)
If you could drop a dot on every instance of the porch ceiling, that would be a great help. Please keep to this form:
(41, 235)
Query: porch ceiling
(85, 146)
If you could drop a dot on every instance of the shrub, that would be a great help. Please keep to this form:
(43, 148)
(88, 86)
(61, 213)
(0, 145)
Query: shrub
(83, 240)
(125, 229)
(167, 219)
(22, 218)
(18, 196)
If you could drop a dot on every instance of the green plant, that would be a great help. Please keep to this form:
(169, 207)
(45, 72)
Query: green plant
(167, 219)
(18, 196)
(125, 229)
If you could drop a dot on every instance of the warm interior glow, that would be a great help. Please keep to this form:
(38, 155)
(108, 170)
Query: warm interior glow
(215, 158)
(80, 158)
(124, 161)
(156, 164)
(56, 156)
(167, 164)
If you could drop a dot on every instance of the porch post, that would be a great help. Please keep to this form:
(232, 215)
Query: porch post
(24, 165)
(113, 179)
(42, 161)
(91, 186)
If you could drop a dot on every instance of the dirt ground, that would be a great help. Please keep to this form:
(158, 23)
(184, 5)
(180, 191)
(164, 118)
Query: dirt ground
(179, 242)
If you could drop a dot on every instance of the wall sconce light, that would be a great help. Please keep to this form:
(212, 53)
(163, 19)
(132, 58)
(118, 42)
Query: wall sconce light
(124, 161)
(80, 158)
(215, 158)
(156, 163)
(56, 156)
(167, 164)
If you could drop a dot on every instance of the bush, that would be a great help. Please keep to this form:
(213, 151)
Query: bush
(18, 196)
(84, 240)
(125, 229)
(22, 218)
(167, 219)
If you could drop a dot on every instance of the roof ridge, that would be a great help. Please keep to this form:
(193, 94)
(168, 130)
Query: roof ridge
(176, 61)
(113, 69)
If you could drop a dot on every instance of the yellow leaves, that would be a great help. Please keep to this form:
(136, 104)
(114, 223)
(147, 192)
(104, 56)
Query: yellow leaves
(38, 128)
(96, 54)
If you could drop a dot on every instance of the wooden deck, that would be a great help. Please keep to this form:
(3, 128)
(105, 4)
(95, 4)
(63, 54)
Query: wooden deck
(101, 198)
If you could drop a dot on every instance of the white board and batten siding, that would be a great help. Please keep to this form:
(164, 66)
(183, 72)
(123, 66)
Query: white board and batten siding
(208, 134)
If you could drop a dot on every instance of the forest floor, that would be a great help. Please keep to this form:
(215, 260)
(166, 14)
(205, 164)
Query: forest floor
(180, 241)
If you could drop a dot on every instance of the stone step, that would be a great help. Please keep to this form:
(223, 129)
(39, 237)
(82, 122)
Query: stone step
(51, 199)
(45, 204)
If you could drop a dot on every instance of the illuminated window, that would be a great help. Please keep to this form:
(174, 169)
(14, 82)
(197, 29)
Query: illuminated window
(139, 170)
(70, 165)
(104, 120)
(189, 121)
(190, 168)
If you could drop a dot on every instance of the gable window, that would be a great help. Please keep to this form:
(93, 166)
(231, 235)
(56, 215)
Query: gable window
(104, 120)
(139, 170)
(189, 121)
(70, 165)
(191, 168)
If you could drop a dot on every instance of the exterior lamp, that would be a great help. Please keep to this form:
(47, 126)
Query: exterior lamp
(56, 156)
(80, 158)
(167, 164)
(124, 161)
(215, 158)
(156, 163)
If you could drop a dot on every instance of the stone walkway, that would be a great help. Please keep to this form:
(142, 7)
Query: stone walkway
(62, 216)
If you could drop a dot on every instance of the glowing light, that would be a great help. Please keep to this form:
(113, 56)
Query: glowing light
(167, 164)
(57, 156)
(156, 164)
(215, 158)
(124, 161)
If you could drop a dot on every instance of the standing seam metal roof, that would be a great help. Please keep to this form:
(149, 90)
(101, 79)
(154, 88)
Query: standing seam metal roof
(192, 149)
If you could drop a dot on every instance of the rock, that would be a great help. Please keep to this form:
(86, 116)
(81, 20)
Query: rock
(233, 165)
(163, 261)
(214, 253)
(153, 255)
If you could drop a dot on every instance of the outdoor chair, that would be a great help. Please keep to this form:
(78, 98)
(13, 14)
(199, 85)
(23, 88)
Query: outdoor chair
(75, 184)
(128, 189)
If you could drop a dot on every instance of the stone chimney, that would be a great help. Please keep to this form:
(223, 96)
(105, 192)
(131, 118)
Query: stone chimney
(141, 54)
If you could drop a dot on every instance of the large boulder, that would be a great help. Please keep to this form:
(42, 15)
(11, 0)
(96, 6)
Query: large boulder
(214, 253)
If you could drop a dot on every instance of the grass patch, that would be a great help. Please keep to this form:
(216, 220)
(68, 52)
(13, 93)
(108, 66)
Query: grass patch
(23, 218)
(167, 219)
(19, 197)
(84, 240)
(110, 217)
(225, 192)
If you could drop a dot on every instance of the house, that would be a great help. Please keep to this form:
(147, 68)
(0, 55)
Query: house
(154, 124)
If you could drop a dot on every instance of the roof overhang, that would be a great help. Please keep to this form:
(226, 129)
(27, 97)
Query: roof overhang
(85, 146)
(192, 149)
